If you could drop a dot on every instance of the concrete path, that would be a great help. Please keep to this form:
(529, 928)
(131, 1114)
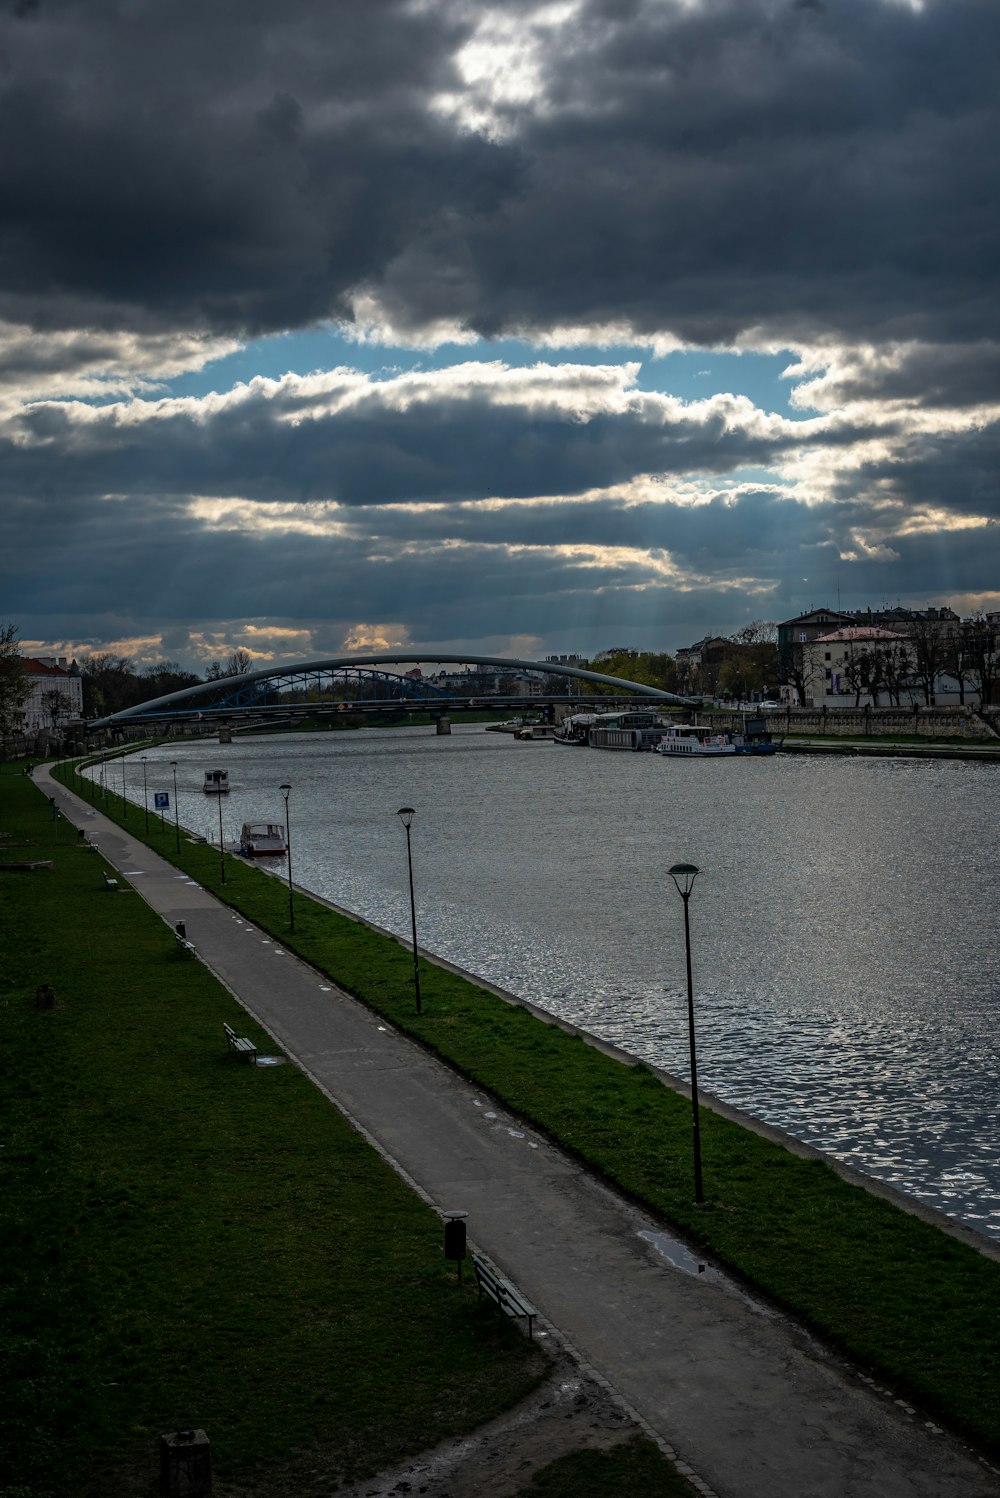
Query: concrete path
(752, 1404)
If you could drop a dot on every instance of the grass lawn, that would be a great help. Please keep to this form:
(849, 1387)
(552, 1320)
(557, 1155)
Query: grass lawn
(909, 1304)
(189, 1241)
(633, 1468)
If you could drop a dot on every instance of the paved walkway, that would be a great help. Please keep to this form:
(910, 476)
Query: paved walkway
(751, 1403)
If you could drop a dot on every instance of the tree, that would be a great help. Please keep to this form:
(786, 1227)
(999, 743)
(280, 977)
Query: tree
(855, 673)
(15, 688)
(759, 632)
(928, 654)
(983, 657)
(958, 657)
(753, 661)
(645, 667)
(240, 663)
(55, 705)
(108, 683)
(802, 670)
(895, 665)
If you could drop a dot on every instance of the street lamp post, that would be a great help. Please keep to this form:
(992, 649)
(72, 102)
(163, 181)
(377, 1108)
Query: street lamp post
(124, 802)
(222, 850)
(145, 794)
(286, 791)
(177, 825)
(406, 815)
(684, 875)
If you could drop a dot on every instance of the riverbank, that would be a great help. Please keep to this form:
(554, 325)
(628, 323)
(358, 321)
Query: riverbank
(901, 1298)
(190, 1241)
(891, 748)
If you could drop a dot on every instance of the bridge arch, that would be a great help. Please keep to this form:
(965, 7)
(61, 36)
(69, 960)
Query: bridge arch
(162, 706)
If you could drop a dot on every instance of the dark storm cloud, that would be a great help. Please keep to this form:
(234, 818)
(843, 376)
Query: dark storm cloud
(955, 472)
(812, 170)
(263, 445)
(956, 375)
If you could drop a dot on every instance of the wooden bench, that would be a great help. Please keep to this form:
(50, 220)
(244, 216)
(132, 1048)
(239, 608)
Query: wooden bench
(502, 1292)
(110, 883)
(240, 1043)
(184, 948)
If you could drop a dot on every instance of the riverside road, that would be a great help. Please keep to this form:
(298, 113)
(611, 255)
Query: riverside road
(751, 1403)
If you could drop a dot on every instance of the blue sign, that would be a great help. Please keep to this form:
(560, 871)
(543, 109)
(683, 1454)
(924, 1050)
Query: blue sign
(161, 800)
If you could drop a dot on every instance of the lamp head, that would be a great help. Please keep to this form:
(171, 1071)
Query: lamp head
(285, 789)
(406, 815)
(684, 875)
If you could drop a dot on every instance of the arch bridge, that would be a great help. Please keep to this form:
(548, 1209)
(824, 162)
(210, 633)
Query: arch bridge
(341, 683)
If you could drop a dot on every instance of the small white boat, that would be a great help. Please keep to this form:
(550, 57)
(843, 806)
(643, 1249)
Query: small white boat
(688, 739)
(263, 840)
(216, 783)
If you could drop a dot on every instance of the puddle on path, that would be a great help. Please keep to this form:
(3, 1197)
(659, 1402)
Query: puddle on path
(676, 1254)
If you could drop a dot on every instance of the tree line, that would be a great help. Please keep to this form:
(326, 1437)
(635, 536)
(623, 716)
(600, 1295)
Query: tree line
(111, 682)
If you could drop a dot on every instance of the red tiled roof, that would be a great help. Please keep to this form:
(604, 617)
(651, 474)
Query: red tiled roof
(39, 668)
(859, 632)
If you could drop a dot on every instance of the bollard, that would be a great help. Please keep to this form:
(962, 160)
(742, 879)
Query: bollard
(185, 1464)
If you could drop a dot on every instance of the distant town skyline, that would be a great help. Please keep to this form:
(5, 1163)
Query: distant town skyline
(528, 329)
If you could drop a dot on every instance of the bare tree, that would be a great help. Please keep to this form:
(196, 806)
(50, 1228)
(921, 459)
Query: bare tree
(895, 665)
(928, 654)
(983, 657)
(240, 663)
(15, 688)
(958, 657)
(55, 704)
(863, 673)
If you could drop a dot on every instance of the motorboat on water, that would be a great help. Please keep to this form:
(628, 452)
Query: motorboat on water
(689, 739)
(216, 783)
(263, 840)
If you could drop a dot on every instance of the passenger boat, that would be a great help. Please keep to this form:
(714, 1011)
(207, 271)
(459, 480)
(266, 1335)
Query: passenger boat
(216, 783)
(263, 840)
(689, 739)
(626, 730)
(575, 729)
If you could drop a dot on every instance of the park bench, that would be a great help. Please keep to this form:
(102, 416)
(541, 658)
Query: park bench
(110, 883)
(240, 1043)
(184, 948)
(502, 1292)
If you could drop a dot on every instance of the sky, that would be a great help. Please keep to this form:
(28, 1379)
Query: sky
(527, 329)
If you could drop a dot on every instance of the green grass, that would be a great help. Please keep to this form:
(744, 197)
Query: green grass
(910, 1304)
(189, 1241)
(634, 1467)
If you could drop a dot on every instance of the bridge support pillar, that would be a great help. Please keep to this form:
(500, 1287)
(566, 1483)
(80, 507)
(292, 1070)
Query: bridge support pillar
(443, 725)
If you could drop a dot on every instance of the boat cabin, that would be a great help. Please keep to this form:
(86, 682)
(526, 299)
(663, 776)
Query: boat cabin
(263, 839)
(216, 782)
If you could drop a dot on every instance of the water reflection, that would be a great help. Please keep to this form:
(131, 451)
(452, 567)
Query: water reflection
(846, 964)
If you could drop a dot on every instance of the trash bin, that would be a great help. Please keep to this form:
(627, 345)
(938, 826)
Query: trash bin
(185, 1464)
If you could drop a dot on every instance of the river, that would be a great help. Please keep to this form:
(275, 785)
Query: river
(845, 949)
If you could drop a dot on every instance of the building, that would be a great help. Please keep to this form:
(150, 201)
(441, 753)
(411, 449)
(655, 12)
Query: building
(844, 669)
(56, 695)
(794, 633)
(698, 665)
